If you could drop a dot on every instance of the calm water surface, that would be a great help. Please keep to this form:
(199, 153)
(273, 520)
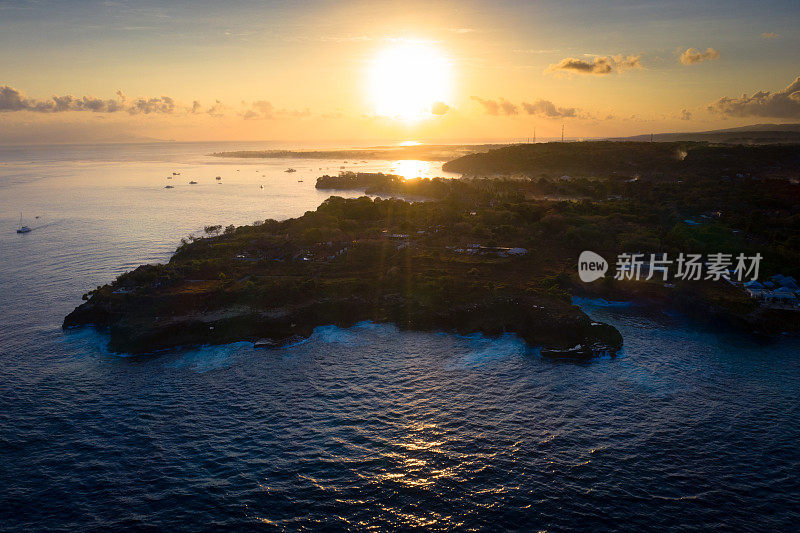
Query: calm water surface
(367, 427)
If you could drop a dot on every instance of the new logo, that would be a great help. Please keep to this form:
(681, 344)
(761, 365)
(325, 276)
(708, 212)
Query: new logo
(591, 266)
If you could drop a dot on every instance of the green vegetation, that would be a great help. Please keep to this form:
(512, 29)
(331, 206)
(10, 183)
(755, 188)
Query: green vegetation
(487, 255)
(652, 160)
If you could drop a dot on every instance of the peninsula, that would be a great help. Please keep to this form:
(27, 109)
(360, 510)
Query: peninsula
(488, 255)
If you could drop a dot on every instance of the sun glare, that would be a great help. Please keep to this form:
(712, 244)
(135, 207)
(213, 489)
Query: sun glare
(409, 81)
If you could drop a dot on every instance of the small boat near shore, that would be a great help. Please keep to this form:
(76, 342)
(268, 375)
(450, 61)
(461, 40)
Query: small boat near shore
(192, 182)
(290, 170)
(169, 187)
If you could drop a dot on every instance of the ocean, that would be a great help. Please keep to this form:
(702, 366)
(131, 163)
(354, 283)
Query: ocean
(370, 427)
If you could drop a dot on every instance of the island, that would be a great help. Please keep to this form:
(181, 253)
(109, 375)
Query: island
(481, 254)
(419, 152)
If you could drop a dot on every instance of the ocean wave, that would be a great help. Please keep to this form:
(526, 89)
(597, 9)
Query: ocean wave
(485, 351)
(206, 358)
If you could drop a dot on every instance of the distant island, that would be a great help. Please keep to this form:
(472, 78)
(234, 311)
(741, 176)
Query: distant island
(423, 152)
(488, 255)
(752, 134)
(755, 134)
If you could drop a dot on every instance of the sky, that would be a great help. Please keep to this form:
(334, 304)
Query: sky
(365, 71)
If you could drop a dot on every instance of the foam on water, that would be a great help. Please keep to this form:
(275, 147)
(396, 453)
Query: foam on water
(207, 358)
(485, 351)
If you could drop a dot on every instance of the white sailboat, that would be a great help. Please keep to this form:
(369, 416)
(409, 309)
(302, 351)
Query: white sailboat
(22, 229)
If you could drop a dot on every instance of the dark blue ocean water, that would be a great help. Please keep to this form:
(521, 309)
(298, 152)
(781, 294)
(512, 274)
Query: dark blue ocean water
(690, 428)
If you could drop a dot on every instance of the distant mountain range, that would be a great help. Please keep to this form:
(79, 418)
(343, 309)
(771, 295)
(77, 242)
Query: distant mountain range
(753, 134)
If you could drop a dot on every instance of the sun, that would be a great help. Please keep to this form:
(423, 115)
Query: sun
(410, 81)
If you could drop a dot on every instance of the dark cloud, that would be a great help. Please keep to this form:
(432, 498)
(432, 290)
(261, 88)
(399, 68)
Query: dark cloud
(439, 108)
(599, 65)
(692, 56)
(781, 104)
(11, 99)
(686, 114)
(497, 107)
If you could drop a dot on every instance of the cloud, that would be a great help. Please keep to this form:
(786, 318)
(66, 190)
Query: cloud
(598, 65)
(548, 109)
(146, 106)
(262, 109)
(217, 109)
(692, 56)
(540, 107)
(686, 114)
(439, 108)
(13, 100)
(769, 35)
(497, 107)
(781, 104)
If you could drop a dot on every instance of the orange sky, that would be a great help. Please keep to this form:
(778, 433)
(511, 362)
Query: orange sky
(307, 71)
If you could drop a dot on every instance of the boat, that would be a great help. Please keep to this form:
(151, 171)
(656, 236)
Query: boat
(218, 178)
(576, 352)
(290, 170)
(169, 177)
(193, 183)
(169, 187)
(299, 181)
(262, 187)
(22, 229)
(176, 173)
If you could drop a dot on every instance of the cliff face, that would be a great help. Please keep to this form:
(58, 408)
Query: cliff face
(135, 327)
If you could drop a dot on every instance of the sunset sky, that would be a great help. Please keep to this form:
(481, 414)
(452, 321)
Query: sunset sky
(372, 71)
